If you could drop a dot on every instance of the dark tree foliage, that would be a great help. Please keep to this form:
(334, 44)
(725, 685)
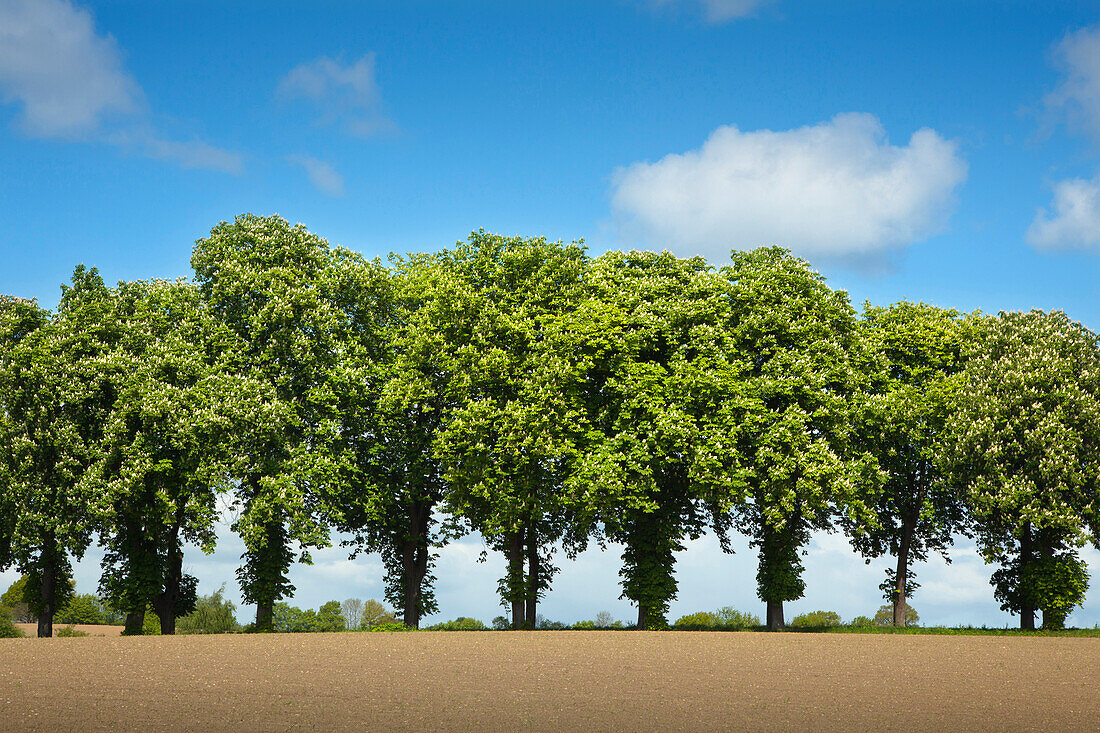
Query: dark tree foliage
(807, 364)
(55, 397)
(302, 313)
(660, 394)
(920, 350)
(1024, 445)
(484, 339)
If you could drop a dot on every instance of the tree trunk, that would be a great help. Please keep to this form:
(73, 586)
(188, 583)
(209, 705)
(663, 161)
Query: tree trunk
(265, 615)
(515, 578)
(414, 561)
(1027, 612)
(48, 576)
(532, 577)
(135, 623)
(778, 576)
(167, 601)
(271, 571)
(901, 573)
(408, 566)
(775, 616)
(409, 615)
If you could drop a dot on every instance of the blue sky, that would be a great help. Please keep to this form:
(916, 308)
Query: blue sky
(944, 151)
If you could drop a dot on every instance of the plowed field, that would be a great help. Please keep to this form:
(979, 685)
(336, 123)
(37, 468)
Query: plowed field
(629, 681)
(89, 629)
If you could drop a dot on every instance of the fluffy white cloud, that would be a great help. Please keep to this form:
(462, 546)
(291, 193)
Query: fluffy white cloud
(720, 11)
(1078, 96)
(71, 83)
(66, 77)
(321, 174)
(837, 189)
(1075, 219)
(345, 95)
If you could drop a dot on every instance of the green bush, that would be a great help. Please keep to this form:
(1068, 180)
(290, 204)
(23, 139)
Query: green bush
(862, 622)
(726, 618)
(699, 621)
(291, 619)
(389, 626)
(150, 626)
(71, 630)
(885, 616)
(374, 614)
(15, 601)
(460, 624)
(81, 609)
(544, 624)
(8, 629)
(731, 618)
(816, 620)
(213, 614)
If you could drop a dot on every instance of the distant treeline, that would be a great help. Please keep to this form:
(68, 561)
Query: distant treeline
(547, 399)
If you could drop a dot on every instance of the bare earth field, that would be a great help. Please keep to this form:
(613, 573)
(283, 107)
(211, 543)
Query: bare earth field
(89, 629)
(574, 681)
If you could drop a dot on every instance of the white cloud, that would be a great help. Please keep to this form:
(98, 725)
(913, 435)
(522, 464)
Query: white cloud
(189, 154)
(344, 95)
(65, 76)
(1075, 219)
(836, 189)
(1078, 96)
(321, 174)
(720, 11)
(70, 83)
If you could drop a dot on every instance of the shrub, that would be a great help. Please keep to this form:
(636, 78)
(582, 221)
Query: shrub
(885, 616)
(150, 626)
(374, 613)
(501, 623)
(81, 609)
(8, 629)
(461, 623)
(390, 626)
(862, 622)
(726, 618)
(15, 601)
(291, 619)
(699, 621)
(731, 618)
(545, 624)
(71, 630)
(816, 620)
(213, 614)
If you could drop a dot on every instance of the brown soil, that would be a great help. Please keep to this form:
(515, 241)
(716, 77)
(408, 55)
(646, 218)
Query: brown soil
(631, 681)
(89, 629)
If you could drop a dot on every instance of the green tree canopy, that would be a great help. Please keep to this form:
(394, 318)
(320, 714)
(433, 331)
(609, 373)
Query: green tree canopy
(807, 362)
(55, 393)
(165, 454)
(921, 352)
(662, 394)
(486, 335)
(213, 614)
(389, 503)
(302, 312)
(1024, 444)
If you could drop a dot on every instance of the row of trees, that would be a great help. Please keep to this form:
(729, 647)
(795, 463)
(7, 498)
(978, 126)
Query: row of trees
(546, 399)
